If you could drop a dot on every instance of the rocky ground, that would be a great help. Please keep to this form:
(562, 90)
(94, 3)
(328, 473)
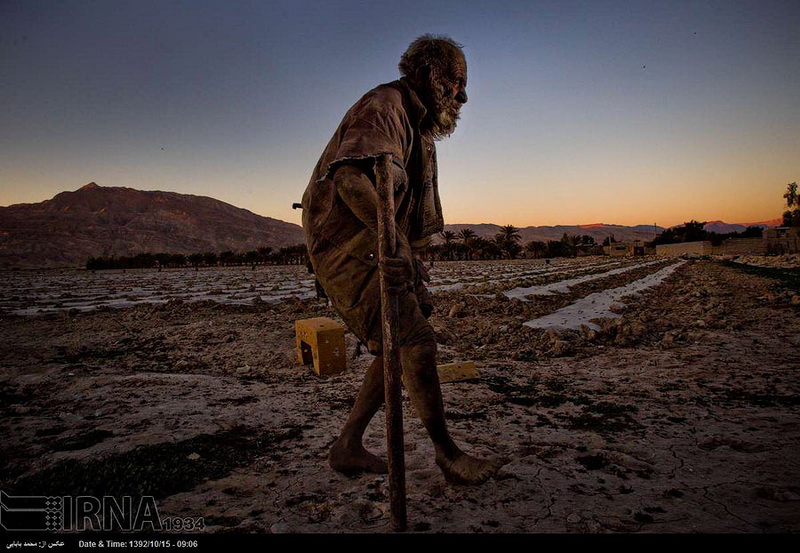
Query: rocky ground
(681, 415)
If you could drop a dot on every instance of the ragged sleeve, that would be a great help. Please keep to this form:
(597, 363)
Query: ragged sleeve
(377, 125)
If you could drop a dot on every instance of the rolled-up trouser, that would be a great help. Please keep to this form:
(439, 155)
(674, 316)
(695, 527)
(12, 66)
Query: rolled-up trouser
(364, 319)
(352, 282)
(362, 314)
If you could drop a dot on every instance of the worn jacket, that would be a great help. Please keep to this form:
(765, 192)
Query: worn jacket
(343, 250)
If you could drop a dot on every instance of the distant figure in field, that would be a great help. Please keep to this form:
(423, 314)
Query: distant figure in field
(403, 118)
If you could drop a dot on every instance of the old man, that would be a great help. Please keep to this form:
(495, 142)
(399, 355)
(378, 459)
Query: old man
(403, 118)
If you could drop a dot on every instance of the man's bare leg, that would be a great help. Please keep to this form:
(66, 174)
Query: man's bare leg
(347, 453)
(422, 383)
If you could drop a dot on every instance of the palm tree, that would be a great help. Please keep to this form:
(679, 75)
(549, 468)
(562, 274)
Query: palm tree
(264, 253)
(513, 249)
(227, 258)
(571, 242)
(487, 249)
(195, 259)
(791, 217)
(536, 248)
(251, 258)
(507, 239)
(210, 259)
(467, 236)
(448, 236)
(510, 233)
(791, 196)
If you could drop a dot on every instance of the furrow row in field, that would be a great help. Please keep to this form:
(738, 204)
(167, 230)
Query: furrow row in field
(32, 293)
(486, 278)
(563, 286)
(599, 305)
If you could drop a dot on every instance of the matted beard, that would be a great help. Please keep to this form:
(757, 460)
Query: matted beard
(446, 112)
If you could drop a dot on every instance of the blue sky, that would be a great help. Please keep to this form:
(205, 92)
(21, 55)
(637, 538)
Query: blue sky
(579, 112)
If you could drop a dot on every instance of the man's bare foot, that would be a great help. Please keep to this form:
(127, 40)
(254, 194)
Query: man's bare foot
(464, 469)
(348, 459)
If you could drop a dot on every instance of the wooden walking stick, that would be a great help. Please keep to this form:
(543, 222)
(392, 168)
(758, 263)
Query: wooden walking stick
(392, 371)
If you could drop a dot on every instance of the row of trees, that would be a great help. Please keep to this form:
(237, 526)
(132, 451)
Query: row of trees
(570, 245)
(693, 231)
(506, 244)
(291, 255)
(464, 245)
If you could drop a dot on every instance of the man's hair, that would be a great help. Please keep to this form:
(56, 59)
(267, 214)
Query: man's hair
(438, 52)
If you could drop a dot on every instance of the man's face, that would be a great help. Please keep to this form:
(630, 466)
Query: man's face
(447, 94)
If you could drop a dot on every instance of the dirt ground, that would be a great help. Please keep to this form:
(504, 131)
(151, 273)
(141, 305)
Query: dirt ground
(683, 415)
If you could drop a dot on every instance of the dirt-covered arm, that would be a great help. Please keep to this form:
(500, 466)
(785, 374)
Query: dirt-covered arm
(357, 190)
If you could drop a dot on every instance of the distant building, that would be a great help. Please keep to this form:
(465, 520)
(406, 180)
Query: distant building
(629, 249)
(617, 249)
(691, 249)
(782, 240)
(589, 249)
(741, 246)
(731, 246)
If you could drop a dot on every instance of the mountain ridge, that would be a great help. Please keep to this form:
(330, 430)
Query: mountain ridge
(95, 220)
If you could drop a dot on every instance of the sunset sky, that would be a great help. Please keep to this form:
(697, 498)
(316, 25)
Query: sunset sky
(579, 112)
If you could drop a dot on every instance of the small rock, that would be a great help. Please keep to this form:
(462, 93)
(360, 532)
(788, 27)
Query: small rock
(193, 456)
(70, 417)
(444, 336)
(795, 300)
(670, 337)
(457, 310)
(367, 510)
(617, 308)
(561, 348)
(574, 518)
(552, 335)
(787, 495)
(592, 527)
(280, 528)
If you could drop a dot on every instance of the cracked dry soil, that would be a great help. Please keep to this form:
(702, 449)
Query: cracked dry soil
(681, 416)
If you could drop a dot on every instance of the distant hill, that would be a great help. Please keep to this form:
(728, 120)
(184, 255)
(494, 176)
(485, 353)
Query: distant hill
(722, 228)
(104, 221)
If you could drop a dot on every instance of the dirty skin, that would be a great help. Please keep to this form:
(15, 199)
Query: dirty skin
(348, 454)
